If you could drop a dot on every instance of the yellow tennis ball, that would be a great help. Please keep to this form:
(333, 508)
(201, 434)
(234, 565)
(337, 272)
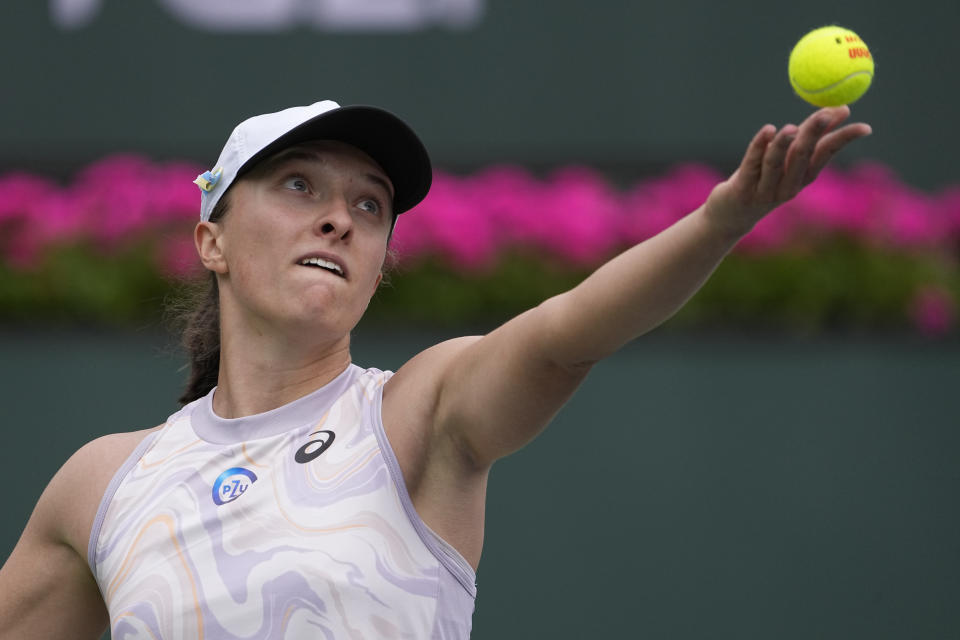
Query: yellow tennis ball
(830, 66)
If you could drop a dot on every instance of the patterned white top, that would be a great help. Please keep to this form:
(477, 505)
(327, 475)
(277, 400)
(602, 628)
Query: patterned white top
(294, 523)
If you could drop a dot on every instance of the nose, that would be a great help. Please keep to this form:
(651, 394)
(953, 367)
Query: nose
(334, 219)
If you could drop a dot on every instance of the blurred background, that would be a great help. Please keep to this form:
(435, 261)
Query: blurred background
(778, 460)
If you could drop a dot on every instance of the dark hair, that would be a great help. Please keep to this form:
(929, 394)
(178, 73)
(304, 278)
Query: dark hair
(200, 317)
(197, 314)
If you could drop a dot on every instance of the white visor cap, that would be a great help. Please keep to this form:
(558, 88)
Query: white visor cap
(381, 135)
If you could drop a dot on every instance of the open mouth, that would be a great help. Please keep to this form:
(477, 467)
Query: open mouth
(320, 263)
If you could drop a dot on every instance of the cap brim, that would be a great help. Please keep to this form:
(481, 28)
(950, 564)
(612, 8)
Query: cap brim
(378, 133)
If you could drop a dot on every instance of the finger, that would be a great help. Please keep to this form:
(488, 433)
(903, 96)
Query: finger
(799, 155)
(752, 160)
(834, 116)
(817, 125)
(801, 152)
(832, 143)
(771, 172)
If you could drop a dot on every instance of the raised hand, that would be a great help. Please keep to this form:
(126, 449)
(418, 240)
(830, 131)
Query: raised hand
(777, 165)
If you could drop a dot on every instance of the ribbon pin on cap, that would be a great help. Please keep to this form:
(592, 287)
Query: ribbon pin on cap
(208, 179)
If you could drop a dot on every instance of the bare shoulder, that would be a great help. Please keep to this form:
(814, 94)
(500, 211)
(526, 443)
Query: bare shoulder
(49, 589)
(75, 491)
(410, 401)
(426, 369)
(447, 491)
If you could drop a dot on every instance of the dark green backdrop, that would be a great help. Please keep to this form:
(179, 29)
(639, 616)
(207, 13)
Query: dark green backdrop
(696, 487)
(617, 83)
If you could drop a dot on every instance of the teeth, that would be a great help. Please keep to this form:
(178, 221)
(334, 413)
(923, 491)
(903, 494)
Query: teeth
(326, 264)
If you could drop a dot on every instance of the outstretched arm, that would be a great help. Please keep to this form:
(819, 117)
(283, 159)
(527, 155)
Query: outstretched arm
(497, 392)
(644, 286)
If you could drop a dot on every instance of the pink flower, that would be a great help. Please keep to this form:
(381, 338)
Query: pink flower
(20, 193)
(30, 213)
(172, 194)
(655, 204)
(113, 196)
(933, 311)
(581, 216)
(177, 257)
(512, 200)
(771, 234)
(913, 222)
(836, 203)
(948, 206)
(447, 223)
(122, 197)
(573, 216)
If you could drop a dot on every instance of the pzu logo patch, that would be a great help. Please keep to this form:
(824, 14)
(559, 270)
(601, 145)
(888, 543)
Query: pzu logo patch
(231, 484)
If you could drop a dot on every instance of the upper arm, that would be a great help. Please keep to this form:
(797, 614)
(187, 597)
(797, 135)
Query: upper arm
(47, 589)
(504, 388)
(488, 396)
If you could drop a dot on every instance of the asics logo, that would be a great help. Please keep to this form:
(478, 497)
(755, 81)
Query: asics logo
(314, 448)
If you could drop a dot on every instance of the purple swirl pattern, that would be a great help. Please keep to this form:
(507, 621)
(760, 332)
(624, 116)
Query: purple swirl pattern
(326, 549)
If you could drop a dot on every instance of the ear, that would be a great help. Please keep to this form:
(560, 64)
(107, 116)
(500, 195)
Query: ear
(208, 238)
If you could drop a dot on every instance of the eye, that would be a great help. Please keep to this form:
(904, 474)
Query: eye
(371, 205)
(296, 183)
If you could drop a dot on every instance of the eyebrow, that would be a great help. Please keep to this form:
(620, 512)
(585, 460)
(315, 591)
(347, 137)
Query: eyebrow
(294, 153)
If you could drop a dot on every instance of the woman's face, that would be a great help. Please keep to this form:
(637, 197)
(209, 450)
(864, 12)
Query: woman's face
(303, 243)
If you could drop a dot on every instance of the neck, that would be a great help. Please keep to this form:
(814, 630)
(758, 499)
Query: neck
(260, 372)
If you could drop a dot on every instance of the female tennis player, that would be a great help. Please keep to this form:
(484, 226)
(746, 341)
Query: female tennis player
(296, 494)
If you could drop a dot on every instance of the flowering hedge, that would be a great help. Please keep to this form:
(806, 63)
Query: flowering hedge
(856, 248)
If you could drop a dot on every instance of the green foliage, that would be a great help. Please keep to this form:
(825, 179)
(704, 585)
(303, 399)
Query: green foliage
(837, 284)
(433, 292)
(840, 284)
(78, 284)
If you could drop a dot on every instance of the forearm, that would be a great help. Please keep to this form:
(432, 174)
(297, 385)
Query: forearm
(497, 392)
(639, 289)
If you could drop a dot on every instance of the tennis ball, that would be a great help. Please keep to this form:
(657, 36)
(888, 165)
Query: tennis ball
(830, 66)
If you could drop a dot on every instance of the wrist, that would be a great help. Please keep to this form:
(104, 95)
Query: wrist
(726, 222)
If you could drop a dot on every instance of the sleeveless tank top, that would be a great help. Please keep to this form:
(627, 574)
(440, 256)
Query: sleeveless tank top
(294, 523)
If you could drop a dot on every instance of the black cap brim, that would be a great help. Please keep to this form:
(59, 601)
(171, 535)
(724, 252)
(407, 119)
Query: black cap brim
(381, 135)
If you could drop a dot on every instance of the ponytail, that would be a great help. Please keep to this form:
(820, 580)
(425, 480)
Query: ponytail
(199, 315)
(201, 339)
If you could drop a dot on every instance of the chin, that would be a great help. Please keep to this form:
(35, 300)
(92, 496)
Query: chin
(323, 319)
